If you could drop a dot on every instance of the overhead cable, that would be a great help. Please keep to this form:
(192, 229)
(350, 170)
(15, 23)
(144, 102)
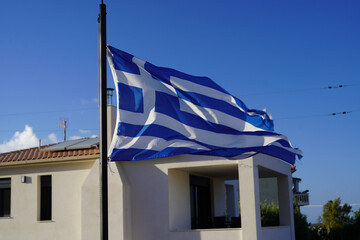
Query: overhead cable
(301, 90)
(320, 115)
(46, 112)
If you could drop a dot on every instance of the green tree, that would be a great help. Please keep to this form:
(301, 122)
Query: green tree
(356, 216)
(356, 225)
(335, 216)
(352, 230)
(318, 232)
(336, 223)
(301, 224)
(269, 214)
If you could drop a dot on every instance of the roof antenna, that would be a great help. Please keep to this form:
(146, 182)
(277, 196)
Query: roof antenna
(64, 123)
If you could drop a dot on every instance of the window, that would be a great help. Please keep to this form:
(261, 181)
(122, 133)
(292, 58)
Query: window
(5, 195)
(200, 202)
(45, 198)
(198, 197)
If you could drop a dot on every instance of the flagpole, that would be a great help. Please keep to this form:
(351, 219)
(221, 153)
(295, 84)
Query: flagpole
(103, 126)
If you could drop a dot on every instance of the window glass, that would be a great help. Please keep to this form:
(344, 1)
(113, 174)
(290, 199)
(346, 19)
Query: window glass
(45, 198)
(5, 197)
(200, 202)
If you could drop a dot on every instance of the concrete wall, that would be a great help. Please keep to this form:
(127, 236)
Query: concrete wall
(24, 221)
(179, 195)
(118, 202)
(90, 204)
(159, 197)
(219, 193)
(265, 166)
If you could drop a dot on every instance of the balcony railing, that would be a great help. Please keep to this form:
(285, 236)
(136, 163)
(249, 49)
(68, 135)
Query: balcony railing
(302, 199)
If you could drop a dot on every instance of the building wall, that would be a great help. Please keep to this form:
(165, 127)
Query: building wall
(160, 195)
(67, 180)
(219, 192)
(147, 200)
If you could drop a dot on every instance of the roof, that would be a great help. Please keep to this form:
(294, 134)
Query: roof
(72, 148)
(82, 143)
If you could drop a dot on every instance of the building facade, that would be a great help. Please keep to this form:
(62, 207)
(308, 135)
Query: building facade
(52, 192)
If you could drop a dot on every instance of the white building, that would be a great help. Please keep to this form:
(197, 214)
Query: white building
(52, 192)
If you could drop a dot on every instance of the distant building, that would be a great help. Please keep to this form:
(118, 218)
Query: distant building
(52, 192)
(301, 197)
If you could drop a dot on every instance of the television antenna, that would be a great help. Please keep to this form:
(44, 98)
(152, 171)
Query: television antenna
(64, 123)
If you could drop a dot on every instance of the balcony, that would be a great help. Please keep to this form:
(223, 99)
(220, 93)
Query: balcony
(301, 199)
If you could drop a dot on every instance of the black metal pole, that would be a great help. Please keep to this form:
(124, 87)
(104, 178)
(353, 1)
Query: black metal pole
(104, 228)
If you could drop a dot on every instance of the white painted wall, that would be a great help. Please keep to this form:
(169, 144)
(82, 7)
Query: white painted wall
(179, 196)
(67, 181)
(111, 122)
(90, 204)
(219, 193)
(160, 198)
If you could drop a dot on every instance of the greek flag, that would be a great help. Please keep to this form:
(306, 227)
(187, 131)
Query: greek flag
(163, 112)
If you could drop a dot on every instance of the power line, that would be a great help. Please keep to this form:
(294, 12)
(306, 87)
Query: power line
(49, 130)
(46, 112)
(320, 115)
(283, 118)
(250, 94)
(253, 94)
(301, 90)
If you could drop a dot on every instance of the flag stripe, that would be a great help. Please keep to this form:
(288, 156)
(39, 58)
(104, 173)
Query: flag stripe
(222, 106)
(128, 132)
(164, 74)
(186, 86)
(215, 116)
(169, 105)
(137, 154)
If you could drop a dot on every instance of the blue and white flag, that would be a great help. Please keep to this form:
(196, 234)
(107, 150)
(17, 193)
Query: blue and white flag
(163, 112)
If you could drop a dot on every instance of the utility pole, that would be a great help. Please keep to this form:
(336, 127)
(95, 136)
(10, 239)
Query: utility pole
(104, 228)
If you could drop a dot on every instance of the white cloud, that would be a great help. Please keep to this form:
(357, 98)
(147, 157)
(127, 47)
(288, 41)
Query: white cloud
(84, 131)
(52, 138)
(20, 140)
(75, 137)
(89, 101)
(84, 101)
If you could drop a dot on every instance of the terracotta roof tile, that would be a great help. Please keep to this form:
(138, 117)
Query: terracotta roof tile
(37, 154)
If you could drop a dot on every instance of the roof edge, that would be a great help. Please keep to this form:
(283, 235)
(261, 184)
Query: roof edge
(50, 160)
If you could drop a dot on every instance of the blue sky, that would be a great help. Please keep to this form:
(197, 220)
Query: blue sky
(279, 55)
